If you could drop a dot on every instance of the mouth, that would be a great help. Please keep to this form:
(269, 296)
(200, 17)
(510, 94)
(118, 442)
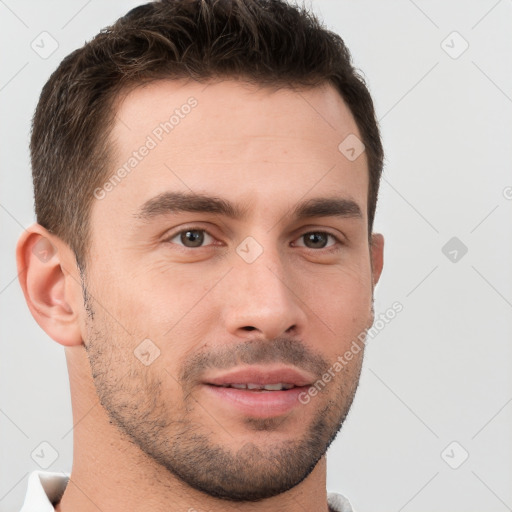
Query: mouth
(271, 378)
(258, 392)
(279, 386)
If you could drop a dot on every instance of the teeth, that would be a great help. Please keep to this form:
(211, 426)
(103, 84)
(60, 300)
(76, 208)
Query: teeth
(273, 387)
(267, 387)
(238, 386)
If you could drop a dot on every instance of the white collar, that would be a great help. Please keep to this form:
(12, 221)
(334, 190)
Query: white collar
(44, 489)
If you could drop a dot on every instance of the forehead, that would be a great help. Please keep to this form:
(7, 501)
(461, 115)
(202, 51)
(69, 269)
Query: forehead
(232, 139)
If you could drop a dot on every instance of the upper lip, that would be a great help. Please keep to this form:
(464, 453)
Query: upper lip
(261, 375)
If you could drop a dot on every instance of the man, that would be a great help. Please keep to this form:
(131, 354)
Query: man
(206, 177)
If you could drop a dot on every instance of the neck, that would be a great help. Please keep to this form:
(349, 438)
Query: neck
(111, 473)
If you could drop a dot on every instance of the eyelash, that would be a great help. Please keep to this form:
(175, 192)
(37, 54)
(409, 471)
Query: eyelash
(333, 248)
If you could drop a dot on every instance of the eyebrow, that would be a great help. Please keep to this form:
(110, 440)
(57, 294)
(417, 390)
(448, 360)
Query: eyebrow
(178, 202)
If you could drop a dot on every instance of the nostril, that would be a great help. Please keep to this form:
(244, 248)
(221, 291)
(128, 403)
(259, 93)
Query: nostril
(249, 328)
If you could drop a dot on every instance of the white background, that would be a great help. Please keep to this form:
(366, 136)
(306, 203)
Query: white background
(441, 370)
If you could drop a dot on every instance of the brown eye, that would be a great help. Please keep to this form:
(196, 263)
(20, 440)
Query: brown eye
(317, 239)
(191, 238)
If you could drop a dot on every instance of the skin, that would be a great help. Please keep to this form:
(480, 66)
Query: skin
(266, 150)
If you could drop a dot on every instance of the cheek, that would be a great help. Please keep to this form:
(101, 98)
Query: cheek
(340, 302)
(164, 300)
(167, 303)
(340, 290)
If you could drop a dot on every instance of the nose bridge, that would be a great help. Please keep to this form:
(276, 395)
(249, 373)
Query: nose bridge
(261, 294)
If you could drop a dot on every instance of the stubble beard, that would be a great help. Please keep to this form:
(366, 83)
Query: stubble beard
(135, 398)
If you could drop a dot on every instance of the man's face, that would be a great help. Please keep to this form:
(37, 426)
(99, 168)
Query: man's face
(266, 287)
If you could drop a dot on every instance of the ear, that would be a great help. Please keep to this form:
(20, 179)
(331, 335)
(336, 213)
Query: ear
(49, 278)
(377, 256)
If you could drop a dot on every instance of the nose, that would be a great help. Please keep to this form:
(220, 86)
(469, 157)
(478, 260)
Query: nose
(262, 297)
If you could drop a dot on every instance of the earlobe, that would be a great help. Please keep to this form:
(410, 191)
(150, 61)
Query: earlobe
(377, 256)
(51, 297)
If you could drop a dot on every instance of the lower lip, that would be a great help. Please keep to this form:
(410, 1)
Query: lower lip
(258, 404)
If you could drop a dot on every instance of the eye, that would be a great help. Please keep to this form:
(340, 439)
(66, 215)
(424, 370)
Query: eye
(191, 238)
(317, 240)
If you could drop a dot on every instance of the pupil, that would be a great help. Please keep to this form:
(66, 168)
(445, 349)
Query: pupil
(316, 240)
(192, 238)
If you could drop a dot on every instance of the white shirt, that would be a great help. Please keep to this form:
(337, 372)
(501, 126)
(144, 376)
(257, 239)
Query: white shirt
(46, 488)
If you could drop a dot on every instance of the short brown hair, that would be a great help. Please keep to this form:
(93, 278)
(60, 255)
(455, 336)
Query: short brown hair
(266, 42)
